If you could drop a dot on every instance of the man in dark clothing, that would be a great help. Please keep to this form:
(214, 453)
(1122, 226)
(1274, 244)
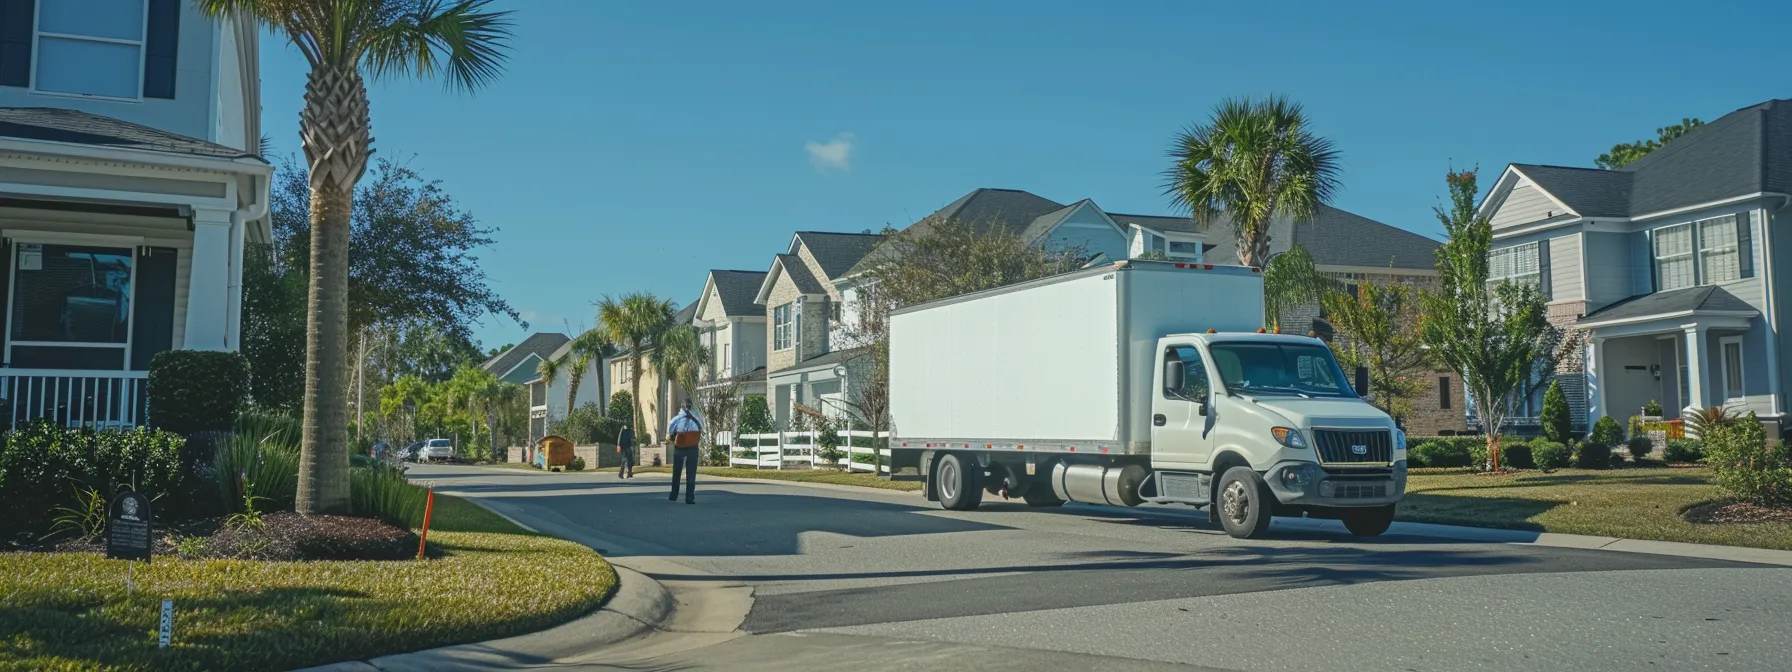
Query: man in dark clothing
(684, 434)
(625, 444)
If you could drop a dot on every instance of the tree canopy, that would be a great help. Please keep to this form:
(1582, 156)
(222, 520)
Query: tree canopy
(1624, 153)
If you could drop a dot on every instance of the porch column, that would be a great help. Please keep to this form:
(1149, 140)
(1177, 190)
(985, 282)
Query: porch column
(208, 285)
(1595, 373)
(1695, 365)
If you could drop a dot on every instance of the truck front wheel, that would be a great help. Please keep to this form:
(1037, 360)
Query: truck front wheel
(1244, 503)
(959, 483)
(1369, 522)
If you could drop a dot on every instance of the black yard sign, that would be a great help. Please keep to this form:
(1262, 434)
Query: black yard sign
(127, 528)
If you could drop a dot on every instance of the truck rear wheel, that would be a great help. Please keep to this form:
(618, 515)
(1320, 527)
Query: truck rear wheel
(1370, 522)
(959, 483)
(1244, 503)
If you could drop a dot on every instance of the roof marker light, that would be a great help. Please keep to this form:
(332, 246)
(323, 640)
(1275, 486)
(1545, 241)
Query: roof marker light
(1213, 331)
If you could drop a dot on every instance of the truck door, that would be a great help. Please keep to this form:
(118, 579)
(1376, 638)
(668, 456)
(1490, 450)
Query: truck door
(1182, 410)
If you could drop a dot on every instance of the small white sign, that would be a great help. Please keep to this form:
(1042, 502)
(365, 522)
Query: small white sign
(167, 623)
(31, 257)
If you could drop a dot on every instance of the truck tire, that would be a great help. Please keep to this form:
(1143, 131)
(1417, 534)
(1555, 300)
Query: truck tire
(959, 483)
(1244, 502)
(1040, 494)
(1370, 522)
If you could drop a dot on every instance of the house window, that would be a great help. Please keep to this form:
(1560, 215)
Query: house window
(1704, 252)
(1719, 260)
(781, 327)
(1443, 392)
(70, 306)
(1673, 258)
(1190, 250)
(1731, 348)
(91, 47)
(1517, 264)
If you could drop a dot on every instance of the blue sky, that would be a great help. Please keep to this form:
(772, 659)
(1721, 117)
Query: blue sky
(631, 146)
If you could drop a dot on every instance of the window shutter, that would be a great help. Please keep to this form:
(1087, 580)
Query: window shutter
(160, 49)
(153, 329)
(1745, 246)
(1649, 242)
(1543, 280)
(5, 280)
(18, 18)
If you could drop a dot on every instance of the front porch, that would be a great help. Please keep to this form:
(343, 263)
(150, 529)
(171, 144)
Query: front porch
(1713, 352)
(116, 243)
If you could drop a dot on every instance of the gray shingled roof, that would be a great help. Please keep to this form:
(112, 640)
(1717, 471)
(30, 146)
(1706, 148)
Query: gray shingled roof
(838, 252)
(799, 274)
(1337, 238)
(1707, 298)
(1155, 222)
(738, 289)
(540, 344)
(72, 126)
(1043, 224)
(686, 315)
(986, 208)
(1744, 152)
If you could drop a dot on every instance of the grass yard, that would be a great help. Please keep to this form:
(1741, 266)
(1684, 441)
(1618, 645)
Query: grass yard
(1643, 503)
(69, 611)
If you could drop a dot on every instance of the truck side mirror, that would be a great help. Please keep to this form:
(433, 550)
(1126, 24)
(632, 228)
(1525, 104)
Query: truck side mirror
(1362, 381)
(1173, 375)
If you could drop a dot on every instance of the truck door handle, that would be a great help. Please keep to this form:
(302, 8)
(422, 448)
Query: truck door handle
(1159, 419)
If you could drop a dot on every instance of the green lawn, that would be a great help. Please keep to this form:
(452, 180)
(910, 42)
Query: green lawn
(1641, 503)
(69, 611)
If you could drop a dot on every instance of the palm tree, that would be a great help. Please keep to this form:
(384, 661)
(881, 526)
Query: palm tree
(342, 40)
(549, 369)
(588, 347)
(1252, 162)
(633, 322)
(1292, 279)
(679, 355)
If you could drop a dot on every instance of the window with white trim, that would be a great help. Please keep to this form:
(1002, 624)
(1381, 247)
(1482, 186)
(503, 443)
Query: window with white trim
(1730, 348)
(1718, 257)
(1518, 264)
(70, 306)
(1705, 252)
(1184, 250)
(91, 47)
(1674, 268)
(781, 327)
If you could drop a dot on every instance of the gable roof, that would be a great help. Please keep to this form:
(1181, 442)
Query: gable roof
(987, 208)
(540, 344)
(737, 290)
(1157, 223)
(1745, 152)
(1709, 298)
(790, 266)
(686, 315)
(51, 124)
(1339, 237)
(836, 252)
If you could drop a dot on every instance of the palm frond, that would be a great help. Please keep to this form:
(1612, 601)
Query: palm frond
(463, 42)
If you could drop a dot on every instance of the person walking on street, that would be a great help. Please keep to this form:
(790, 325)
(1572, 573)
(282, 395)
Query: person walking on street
(684, 433)
(625, 444)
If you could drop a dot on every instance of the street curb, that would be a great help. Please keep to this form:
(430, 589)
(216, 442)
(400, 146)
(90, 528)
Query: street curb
(639, 604)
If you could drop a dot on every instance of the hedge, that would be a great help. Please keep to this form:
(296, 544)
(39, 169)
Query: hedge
(192, 391)
(43, 466)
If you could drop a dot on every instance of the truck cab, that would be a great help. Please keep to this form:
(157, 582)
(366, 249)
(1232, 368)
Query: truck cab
(1280, 409)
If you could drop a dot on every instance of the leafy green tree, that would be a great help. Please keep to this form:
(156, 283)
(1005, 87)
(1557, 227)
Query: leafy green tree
(1558, 423)
(1251, 162)
(1622, 154)
(755, 415)
(273, 337)
(342, 40)
(633, 322)
(1381, 332)
(1496, 338)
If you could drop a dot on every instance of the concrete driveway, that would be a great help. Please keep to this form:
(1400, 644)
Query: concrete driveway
(773, 576)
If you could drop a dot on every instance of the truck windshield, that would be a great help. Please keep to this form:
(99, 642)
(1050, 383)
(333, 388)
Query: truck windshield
(1280, 368)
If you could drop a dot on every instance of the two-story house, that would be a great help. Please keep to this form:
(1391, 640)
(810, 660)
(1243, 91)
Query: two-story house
(518, 366)
(129, 183)
(802, 298)
(733, 329)
(1665, 268)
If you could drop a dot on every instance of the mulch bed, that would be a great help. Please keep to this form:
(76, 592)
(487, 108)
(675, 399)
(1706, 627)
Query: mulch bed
(281, 537)
(1712, 513)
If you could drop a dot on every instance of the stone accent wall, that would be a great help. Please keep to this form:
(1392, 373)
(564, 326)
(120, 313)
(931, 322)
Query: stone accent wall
(1429, 417)
(783, 292)
(1571, 370)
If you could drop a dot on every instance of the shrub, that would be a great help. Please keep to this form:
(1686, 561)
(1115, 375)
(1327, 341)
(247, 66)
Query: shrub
(1746, 466)
(755, 415)
(265, 467)
(1653, 408)
(1550, 455)
(1439, 454)
(1606, 432)
(43, 466)
(828, 440)
(577, 464)
(385, 494)
(1640, 447)
(586, 424)
(1558, 422)
(197, 390)
(1684, 450)
(1518, 455)
(1703, 420)
(1593, 455)
(1636, 426)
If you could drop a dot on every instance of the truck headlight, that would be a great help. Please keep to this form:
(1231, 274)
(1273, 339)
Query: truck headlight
(1399, 439)
(1289, 436)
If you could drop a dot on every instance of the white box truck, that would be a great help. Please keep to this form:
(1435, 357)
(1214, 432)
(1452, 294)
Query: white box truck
(1140, 381)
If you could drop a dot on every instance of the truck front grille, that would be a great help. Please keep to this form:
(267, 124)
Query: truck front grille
(1358, 491)
(1338, 446)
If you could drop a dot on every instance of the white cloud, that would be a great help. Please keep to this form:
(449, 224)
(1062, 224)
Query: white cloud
(833, 155)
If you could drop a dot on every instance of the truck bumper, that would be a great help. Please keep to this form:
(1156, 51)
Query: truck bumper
(1308, 484)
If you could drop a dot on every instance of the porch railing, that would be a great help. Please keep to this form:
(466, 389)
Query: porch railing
(73, 398)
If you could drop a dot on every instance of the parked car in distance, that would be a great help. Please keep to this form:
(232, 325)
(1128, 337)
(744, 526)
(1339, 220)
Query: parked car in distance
(413, 452)
(436, 450)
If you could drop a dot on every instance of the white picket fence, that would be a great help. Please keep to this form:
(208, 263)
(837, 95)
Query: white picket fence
(797, 450)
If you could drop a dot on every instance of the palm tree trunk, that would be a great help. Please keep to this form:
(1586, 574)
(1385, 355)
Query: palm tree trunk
(334, 131)
(634, 394)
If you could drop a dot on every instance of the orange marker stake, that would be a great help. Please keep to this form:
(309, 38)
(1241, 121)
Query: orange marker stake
(429, 509)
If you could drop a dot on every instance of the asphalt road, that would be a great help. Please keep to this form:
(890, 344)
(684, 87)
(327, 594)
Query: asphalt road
(876, 580)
